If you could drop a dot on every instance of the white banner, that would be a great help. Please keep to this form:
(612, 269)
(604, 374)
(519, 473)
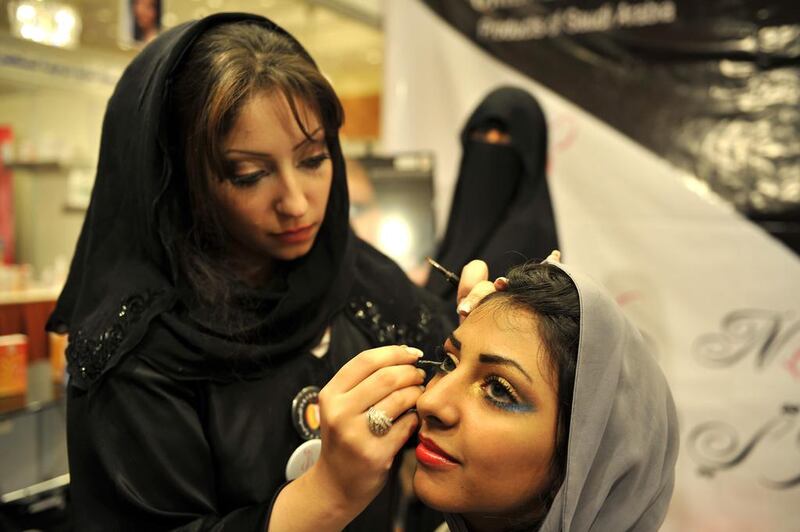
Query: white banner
(717, 296)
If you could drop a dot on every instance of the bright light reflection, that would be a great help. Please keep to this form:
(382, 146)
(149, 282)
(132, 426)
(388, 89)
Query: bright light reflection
(38, 34)
(394, 236)
(26, 12)
(65, 20)
(52, 23)
(26, 31)
(59, 38)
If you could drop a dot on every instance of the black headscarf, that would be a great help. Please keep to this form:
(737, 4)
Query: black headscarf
(501, 211)
(123, 289)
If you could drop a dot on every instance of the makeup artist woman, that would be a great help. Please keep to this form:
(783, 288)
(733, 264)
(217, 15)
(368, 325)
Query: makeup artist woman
(216, 287)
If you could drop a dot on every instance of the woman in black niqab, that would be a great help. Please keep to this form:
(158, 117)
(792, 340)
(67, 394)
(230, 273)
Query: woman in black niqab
(180, 402)
(501, 211)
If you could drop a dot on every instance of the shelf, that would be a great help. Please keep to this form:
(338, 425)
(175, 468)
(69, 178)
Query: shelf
(40, 166)
(29, 295)
(46, 486)
(73, 209)
(54, 166)
(18, 405)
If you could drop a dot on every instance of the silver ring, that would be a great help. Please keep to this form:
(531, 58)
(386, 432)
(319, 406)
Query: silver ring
(378, 421)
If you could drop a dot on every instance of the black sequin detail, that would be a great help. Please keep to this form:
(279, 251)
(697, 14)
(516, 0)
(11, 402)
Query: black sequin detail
(368, 316)
(88, 356)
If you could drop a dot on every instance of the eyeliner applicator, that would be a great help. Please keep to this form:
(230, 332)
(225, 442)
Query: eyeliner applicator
(451, 278)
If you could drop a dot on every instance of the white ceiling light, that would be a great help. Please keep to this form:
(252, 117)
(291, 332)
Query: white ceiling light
(45, 22)
(25, 13)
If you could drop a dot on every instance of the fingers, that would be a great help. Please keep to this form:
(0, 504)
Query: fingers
(401, 431)
(399, 402)
(384, 382)
(368, 362)
(473, 273)
(554, 257)
(471, 300)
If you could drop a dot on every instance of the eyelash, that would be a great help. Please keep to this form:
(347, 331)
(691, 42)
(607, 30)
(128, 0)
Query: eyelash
(444, 357)
(248, 180)
(512, 402)
(312, 163)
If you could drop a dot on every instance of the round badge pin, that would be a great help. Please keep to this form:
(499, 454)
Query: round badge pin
(305, 413)
(303, 458)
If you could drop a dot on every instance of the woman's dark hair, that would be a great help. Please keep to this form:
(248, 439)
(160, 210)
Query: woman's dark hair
(548, 292)
(225, 67)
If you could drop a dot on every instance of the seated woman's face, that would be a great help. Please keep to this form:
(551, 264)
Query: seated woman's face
(488, 420)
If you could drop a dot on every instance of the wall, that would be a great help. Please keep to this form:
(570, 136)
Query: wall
(50, 126)
(54, 100)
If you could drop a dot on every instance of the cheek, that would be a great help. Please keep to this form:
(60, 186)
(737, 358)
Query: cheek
(321, 191)
(237, 212)
(508, 460)
(240, 211)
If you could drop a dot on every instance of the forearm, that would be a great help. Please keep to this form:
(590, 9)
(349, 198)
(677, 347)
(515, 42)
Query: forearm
(310, 503)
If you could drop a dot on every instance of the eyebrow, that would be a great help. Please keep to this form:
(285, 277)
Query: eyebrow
(503, 361)
(496, 360)
(454, 341)
(308, 140)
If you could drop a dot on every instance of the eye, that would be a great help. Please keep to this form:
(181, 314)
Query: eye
(313, 163)
(449, 362)
(501, 394)
(498, 389)
(247, 180)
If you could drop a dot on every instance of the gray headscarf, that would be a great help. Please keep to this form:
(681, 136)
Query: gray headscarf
(623, 439)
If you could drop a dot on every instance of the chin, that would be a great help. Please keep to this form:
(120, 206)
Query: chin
(296, 254)
(437, 495)
(292, 252)
(455, 498)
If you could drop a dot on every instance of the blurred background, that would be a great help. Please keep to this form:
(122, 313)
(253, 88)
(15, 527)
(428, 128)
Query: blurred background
(673, 166)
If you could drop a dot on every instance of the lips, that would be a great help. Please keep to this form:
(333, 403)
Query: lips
(297, 235)
(431, 455)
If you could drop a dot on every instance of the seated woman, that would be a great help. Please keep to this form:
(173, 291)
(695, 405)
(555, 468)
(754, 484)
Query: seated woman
(548, 414)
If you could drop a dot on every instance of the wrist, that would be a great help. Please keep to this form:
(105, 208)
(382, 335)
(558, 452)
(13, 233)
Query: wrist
(293, 512)
(339, 507)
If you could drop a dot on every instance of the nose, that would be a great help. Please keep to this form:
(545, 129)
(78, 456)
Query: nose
(291, 200)
(437, 407)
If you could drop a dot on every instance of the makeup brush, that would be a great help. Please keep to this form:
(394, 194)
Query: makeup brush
(452, 278)
(430, 367)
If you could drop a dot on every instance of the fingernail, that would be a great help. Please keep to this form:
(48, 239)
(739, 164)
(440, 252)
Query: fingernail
(413, 351)
(501, 283)
(422, 373)
(464, 308)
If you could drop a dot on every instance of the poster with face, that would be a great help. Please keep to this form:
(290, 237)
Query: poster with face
(139, 21)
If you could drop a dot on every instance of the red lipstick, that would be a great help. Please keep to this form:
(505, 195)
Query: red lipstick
(296, 236)
(431, 455)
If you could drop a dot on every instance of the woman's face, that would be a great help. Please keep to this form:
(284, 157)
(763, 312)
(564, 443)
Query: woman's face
(145, 12)
(488, 420)
(276, 190)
